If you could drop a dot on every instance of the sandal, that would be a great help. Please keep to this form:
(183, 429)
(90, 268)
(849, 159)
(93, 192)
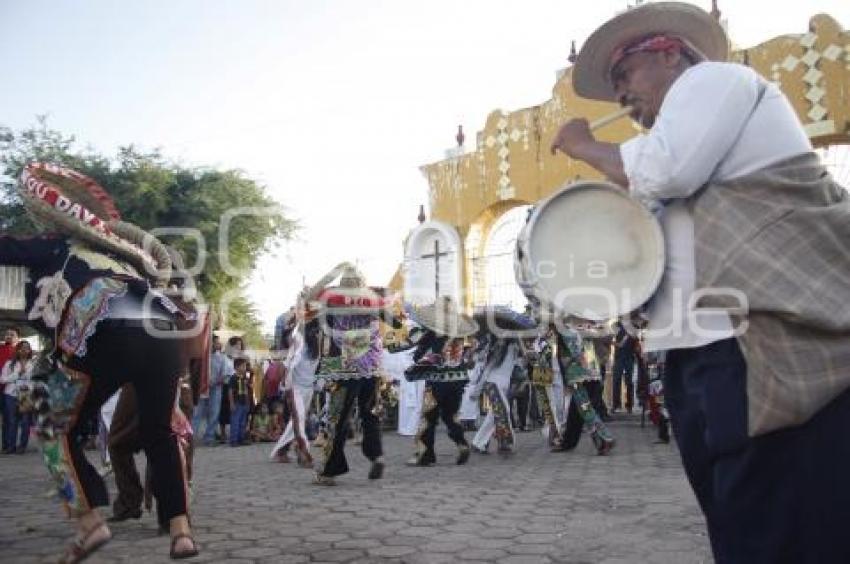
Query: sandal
(319, 480)
(174, 555)
(77, 551)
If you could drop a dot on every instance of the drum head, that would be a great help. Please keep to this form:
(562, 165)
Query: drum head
(593, 252)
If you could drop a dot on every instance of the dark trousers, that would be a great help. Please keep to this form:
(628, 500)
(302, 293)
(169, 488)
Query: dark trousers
(520, 398)
(123, 444)
(343, 396)
(573, 427)
(118, 355)
(781, 497)
(442, 401)
(594, 391)
(10, 426)
(624, 364)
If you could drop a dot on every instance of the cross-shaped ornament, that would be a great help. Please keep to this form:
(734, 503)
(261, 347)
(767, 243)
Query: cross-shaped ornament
(436, 256)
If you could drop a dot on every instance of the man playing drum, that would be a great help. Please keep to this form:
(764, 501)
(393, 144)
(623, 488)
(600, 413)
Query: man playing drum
(757, 388)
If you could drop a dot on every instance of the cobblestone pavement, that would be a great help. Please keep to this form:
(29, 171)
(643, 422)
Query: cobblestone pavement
(535, 506)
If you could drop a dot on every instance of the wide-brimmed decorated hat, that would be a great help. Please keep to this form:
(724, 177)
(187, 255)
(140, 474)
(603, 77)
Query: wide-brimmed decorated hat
(442, 317)
(351, 296)
(698, 29)
(63, 200)
(496, 318)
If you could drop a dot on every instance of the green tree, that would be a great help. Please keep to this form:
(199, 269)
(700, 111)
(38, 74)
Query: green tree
(153, 192)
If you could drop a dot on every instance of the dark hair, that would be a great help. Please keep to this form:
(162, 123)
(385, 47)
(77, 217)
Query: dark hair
(312, 334)
(18, 348)
(15, 329)
(240, 362)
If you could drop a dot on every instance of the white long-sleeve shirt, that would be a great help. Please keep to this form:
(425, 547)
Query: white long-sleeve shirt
(702, 133)
(301, 369)
(14, 374)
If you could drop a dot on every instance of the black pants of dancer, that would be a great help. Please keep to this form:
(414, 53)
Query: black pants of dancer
(443, 403)
(573, 427)
(595, 391)
(624, 364)
(117, 355)
(780, 497)
(343, 396)
(520, 398)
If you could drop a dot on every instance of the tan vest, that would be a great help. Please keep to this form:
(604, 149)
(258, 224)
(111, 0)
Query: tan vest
(781, 236)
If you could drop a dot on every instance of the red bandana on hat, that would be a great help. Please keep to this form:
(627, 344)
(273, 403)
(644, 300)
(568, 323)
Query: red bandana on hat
(659, 42)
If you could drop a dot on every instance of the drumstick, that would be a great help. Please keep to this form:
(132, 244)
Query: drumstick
(596, 124)
(605, 120)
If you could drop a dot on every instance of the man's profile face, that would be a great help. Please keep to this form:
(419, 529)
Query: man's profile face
(641, 80)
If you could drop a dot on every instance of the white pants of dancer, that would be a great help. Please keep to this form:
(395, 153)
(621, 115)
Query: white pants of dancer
(410, 406)
(107, 410)
(301, 405)
(488, 426)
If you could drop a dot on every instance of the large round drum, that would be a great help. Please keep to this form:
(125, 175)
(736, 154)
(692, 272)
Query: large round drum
(591, 251)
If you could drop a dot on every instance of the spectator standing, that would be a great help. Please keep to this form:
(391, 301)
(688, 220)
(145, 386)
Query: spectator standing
(624, 365)
(239, 391)
(16, 377)
(209, 400)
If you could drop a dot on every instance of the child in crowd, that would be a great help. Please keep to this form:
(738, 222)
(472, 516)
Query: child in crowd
(261, 426)
(277, 420)
(239, 391)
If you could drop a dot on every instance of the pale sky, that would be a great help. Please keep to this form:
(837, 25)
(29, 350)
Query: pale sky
(332, 105)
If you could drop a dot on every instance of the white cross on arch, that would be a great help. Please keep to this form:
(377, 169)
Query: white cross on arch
(436, 256)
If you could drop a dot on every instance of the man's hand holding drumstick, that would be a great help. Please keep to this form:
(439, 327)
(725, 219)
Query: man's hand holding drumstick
(575, 139)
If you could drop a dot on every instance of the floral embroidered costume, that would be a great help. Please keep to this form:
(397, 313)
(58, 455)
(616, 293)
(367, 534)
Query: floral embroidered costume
(350, 361)
(577, 363)
(439, 360)
(86, 292)
(543, 380)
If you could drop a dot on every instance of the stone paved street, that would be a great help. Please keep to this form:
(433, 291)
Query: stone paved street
(536, 506)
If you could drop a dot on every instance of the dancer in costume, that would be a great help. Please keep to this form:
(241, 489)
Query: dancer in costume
(94, 292)
(494, 382)
(351, 354)
(501, 339)
(441, 364)
(301, 362)
(550, 398)
(577, 365)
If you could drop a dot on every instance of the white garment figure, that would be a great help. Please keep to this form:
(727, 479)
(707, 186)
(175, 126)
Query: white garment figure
(469, 406)
(499, 374)
(300, 380)
(410, 394)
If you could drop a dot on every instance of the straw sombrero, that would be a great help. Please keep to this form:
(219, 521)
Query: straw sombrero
(698, 28)
(443, 318)
(63, 200)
